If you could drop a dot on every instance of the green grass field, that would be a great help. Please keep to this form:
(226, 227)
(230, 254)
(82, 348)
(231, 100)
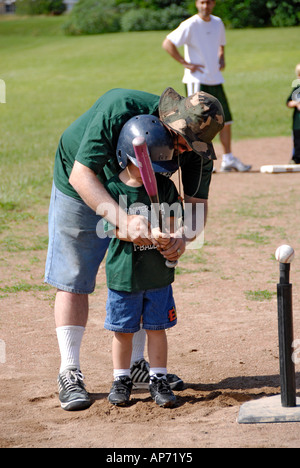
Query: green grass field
(51, 79)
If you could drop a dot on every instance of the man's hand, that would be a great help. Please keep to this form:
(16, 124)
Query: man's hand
(193, 66)
(174, 52)
(174, 249)
(221, 63)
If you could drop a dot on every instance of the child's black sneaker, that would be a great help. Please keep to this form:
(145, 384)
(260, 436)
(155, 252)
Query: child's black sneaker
(161, 392)
(120, 391)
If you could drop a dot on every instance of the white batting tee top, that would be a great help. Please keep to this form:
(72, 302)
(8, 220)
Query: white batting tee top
(201, 40)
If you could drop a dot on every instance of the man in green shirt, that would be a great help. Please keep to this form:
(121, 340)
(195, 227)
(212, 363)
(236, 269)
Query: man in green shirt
(85, 159)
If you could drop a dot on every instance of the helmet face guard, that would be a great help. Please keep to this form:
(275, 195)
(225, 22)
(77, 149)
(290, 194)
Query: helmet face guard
(158, 138)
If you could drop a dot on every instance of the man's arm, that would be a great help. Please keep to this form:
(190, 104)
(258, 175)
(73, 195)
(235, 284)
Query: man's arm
(173, 51)
(222, 57)
(132, 227)
(191, 225)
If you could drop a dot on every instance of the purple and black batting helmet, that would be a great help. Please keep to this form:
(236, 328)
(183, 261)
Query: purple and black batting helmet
(158, 138)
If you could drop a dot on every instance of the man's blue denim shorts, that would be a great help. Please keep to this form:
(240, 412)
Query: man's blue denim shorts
(154, 307)
(75, 251)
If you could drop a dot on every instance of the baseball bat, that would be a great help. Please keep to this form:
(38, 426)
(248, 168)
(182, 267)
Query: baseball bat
(149, 180)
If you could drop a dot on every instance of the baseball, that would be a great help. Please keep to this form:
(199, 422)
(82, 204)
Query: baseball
(285, 254)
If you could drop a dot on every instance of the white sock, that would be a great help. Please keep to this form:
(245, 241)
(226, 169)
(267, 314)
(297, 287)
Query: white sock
(193, 88)
(69, 341)
(157, 370)
(138, 346)
(227, 157)
(119, 372)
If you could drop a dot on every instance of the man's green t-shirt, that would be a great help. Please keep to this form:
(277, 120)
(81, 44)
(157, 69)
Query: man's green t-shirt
(130, 267)
(92, 140)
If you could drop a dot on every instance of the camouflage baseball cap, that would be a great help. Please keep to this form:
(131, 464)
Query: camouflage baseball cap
(198, 118)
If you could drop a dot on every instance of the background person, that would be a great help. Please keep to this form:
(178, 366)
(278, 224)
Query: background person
(203, 38)
(293, 102)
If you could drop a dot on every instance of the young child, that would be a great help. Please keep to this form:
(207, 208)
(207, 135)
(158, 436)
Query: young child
(293, 102)
(139, 289)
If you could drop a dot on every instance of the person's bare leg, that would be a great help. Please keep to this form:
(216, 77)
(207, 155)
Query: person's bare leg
(157, 348)
(225, 138)
(229, 161)
(71, 314)
(121, 350)
(71, 309)
(121, 353)
(159, 387)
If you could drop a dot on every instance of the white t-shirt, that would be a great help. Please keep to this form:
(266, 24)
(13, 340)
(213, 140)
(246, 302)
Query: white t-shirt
(201, 40)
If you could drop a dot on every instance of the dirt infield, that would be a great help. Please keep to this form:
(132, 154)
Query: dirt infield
(225, 345)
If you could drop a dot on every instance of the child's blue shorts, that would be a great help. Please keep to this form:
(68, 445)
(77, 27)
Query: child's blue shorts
(154, 307)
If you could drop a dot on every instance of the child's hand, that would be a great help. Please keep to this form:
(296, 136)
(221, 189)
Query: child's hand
(160, 239)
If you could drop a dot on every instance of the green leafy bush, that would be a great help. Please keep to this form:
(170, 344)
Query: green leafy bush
(237, 14)
(145, 19)
(285, 13)
(40, 7)
(104, 16)
(141, 19)
(258, 13)
(156, 4)
(93, 17)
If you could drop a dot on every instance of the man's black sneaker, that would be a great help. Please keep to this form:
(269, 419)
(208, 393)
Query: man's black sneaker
(120, 391)
(72, 393)
(139, 374)
(161, 392)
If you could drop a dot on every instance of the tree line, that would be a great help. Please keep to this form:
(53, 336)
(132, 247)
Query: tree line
(103, 16)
